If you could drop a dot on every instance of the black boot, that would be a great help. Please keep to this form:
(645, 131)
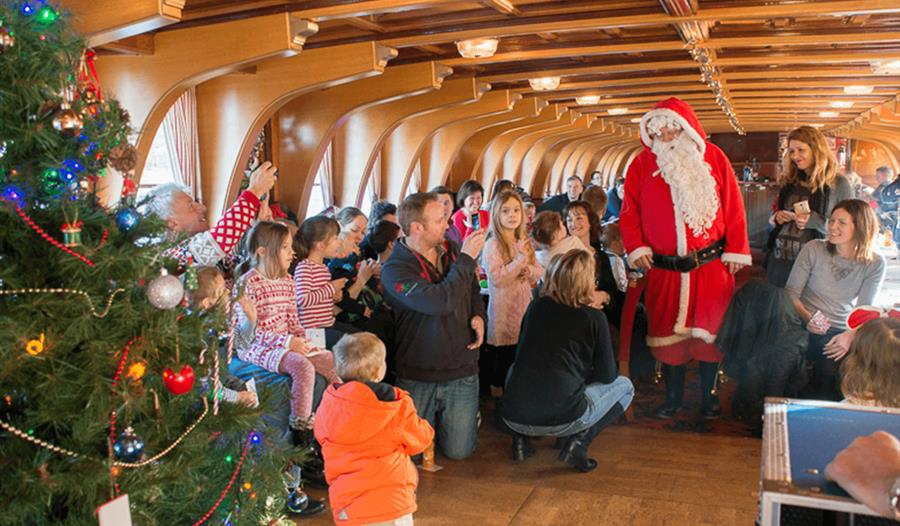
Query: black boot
(521, 447)
(314, 464)
(574, 452)
(710, 408)
(674, 378)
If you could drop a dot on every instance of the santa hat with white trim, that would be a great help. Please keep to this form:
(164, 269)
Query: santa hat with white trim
(673, 112)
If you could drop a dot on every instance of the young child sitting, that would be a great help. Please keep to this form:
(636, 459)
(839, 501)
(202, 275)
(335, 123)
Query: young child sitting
(871, 370)
(551, 237)
(210, 295)
(368, 430)
(615, 251)
(278, 343)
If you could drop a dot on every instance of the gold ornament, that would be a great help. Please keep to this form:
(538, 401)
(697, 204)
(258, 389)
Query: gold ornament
(123, 158)
(35, 347)
(89, 102)
(6, 40)
(66, 121)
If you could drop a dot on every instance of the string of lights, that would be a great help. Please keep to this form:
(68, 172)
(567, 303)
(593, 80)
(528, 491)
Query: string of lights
(709, 75)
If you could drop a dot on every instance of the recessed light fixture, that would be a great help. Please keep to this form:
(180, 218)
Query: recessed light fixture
(636, 120)
(817, 125)
(886, 68)
(858, 90)
(477, 47)
(544, 83)
(841, 104)
(828, 114)
(617, 111)
(587, 100)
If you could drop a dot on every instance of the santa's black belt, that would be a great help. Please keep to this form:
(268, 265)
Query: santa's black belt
(692, 260)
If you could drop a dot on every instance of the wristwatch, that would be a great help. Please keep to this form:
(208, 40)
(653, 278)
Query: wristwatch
(894, 496)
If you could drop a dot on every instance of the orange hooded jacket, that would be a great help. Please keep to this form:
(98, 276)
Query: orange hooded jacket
(366, 444)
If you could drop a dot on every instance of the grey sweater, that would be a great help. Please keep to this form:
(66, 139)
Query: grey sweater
(830, 283)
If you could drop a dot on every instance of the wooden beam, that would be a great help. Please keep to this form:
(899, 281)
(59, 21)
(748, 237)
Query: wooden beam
(103, 21)
(502, 6)
(590, 70)
(136, 45)
(365, 24)
(363, 8)
(819, 57)
(525, 26)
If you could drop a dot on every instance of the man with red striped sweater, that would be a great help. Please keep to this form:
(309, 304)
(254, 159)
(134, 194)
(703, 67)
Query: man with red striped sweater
(184, 215)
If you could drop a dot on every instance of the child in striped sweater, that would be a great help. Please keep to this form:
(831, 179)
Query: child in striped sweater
(279, 343)
(316, 292)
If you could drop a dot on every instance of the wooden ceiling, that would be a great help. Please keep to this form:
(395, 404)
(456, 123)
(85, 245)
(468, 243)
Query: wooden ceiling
(779, 63)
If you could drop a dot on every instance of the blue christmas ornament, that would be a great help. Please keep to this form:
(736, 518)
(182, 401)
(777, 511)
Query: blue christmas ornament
(127, 219)
(128, 447)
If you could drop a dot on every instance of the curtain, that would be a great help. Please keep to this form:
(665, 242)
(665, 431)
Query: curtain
(324, 175)
(374, 186)
(180, 132)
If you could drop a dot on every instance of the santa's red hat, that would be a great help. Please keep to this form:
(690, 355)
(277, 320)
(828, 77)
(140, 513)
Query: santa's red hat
(680, 112)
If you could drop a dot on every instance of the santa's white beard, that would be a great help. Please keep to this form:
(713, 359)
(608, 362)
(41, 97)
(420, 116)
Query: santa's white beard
(693, 186)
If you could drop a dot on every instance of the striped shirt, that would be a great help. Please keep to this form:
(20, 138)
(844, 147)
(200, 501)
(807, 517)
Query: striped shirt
(276, 320)
(315, 294)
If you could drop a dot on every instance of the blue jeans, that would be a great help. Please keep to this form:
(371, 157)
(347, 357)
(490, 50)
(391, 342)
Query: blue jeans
(600, 399)
(452, 410)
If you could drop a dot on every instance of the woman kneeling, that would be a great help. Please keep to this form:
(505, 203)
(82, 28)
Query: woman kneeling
(564, 382)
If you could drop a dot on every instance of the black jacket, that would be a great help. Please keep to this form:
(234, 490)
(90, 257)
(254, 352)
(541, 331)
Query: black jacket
(432, 313)
(556, 203)
(561, 350)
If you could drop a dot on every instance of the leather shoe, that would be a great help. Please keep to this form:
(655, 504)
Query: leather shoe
(521, 448)
(667, 410)
(711, 409)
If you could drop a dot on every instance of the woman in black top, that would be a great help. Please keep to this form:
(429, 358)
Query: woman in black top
(810, 176)
(582, 222)
(564, 381)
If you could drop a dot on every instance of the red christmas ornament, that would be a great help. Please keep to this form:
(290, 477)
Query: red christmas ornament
(179, 383)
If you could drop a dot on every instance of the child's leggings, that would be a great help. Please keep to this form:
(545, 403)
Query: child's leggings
(302, 370)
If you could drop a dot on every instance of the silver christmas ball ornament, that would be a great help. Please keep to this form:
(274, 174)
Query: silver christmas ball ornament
(165, 292)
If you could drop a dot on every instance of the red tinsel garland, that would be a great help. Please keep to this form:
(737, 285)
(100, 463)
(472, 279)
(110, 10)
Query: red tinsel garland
(47, 237)
(225, 491)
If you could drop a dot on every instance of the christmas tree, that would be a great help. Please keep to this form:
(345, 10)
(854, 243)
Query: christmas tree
(108, 382)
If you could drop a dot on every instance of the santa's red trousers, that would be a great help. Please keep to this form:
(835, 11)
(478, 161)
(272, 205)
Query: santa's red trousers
(682, 352)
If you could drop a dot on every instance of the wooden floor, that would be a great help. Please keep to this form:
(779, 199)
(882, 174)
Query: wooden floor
(646, 476)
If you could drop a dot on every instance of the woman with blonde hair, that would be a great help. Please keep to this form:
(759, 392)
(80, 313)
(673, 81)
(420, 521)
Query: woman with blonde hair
(564, 382)
(871, 372)
(810, 187)
(512, 272)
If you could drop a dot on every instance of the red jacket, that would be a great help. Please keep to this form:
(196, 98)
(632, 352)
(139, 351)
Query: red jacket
(366, 444)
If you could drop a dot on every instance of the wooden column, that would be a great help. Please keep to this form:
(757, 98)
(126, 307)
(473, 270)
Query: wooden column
(233, 109)
(147, 85)
(309, 123)
(358, 141)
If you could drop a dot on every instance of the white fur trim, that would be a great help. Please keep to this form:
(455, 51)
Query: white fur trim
(674, 115)
(734, 257)
(637, 253)
(692, 332)
(684, 292)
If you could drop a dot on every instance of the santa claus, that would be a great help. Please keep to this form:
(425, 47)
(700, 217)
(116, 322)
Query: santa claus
(683, 222)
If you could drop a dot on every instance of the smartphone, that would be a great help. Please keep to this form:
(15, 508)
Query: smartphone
(476, 221)
(801, 208)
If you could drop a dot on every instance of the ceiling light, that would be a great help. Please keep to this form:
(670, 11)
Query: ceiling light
(858, 90)
(841, 104)
(477, 47)
(587, 100)
(817, 125)
(544, 83)
(828, 114)
(617, 111)
(636, 120)
(886, 68)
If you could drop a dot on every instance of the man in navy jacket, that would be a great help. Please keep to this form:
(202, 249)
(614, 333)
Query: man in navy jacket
(433, 289)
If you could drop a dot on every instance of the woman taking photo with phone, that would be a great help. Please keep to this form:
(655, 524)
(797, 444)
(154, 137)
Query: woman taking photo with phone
(810, 188)
(470, 217)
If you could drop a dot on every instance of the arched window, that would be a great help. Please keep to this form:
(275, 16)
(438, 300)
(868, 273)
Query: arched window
(320, 195)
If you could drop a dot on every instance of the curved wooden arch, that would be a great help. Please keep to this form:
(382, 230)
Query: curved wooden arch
(512, 163)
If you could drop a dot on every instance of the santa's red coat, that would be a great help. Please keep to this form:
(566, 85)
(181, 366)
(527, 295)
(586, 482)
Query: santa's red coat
(682, 306)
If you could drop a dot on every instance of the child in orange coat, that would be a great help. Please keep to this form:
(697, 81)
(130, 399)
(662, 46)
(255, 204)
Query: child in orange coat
(368, 430)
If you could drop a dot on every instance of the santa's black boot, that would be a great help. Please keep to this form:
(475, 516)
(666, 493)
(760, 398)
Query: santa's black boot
(710, 408)
(673, 375)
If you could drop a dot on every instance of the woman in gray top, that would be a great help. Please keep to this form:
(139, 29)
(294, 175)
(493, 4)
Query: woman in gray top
(810, 188)
(828, 278)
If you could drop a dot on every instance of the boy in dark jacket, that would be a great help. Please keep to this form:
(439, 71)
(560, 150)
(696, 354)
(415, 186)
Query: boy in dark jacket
(368, 430)
(440, 318)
